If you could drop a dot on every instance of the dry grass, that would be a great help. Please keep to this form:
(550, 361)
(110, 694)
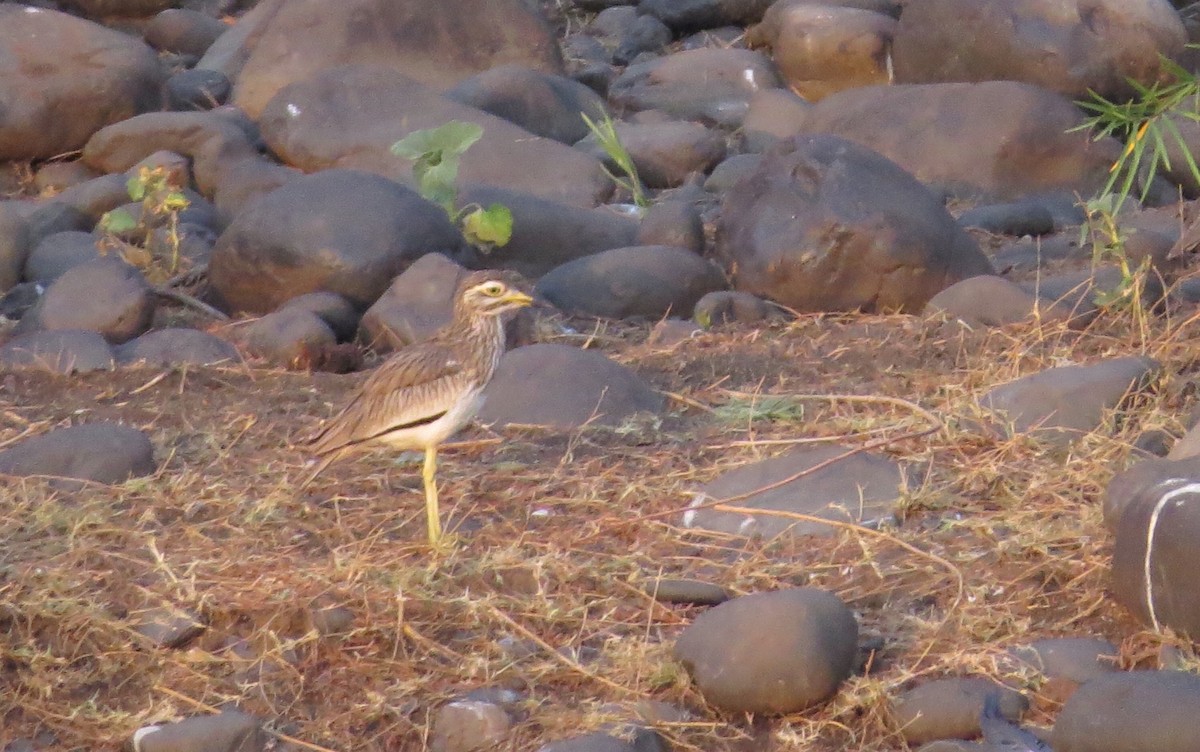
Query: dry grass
(557, 537)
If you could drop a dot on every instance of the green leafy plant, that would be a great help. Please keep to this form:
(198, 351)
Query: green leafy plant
(1146, 123)
(768, 407)
(605, 133)
(435, 154)
(161, 203)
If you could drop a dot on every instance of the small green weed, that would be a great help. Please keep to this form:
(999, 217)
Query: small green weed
(1146, 123)
(771, 407)
(435, 153)
(162, 202)
(605, 132)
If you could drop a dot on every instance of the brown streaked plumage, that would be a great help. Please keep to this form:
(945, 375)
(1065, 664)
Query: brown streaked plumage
(426, 392)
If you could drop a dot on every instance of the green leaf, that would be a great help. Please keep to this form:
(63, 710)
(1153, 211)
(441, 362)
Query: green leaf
(118, 221)
(175, 201)
(490, 227)
(436, 182)
(136, 188)
(450, 139)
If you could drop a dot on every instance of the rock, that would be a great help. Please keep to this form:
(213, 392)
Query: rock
(340, 231)
(54, 177)
(59, 252)
(634, 282)
(1141, 711)
(1154, 556)
(125, 8)
(732, 170)
(52, 217)
(20, 298)
(543, 104)
(1187, 446)
(670, 332)
(860, 488)
(63, 78)
(564, 387)
(290, 337)
(167, 626)
(415, 306)
(438, 45)
(173, 347)
(60, 351)
(673, 223)
(95, 197)
(1061, 404)
(730, 306)
(594, 742)
(998, 139)
(197, 90)
(775, 652)
(1083, 291)
(1035, 253)
(773, 115)
(469, 726)
(1148, 478)
(644, 34)
(332, 620)
(950, 708)
(664, 154)
(690, 15)
(224, 155)
(828, 225)
(1021, 218)
(351, 116)
(1068, 47)
(822, 49)
(94, 452)
(692, 592)
(184, 31)
(547, 234)
(338, 313)
(14, 246)
(713, 86)
(106, 295)
(988, 300)
(228, 731)
(1075, 659)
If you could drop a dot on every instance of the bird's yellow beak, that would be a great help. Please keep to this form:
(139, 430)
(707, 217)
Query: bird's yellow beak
(517, 297)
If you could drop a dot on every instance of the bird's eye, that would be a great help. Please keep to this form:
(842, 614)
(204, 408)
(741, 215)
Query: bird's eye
(492, 289)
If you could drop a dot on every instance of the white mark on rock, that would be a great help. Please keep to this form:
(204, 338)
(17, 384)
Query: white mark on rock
(1151, 528)
(293, 110)
(748, 75)
(141, 734)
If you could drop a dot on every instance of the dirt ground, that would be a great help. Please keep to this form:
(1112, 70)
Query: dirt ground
(557, 537)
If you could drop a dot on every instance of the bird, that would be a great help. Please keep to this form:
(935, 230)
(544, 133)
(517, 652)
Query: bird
(426, 392)
(1001, 733)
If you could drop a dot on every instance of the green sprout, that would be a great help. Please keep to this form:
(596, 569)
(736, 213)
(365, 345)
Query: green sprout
(435, 154)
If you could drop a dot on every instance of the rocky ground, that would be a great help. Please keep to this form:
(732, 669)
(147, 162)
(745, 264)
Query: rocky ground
(865, 431)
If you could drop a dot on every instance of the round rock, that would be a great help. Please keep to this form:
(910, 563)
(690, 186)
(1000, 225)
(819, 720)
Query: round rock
(639, 281)
(775, 652)
(1155, 557)
(58, 252)
(1141, 711)
(63, 351)
(695, 592)
(99, 452)
(341, 231)
(106, 296)
(169, 347)
(564, 387)
(825, 224)
(950, 708)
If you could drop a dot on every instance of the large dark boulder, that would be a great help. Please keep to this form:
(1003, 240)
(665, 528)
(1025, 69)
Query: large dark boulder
(825, 224)
(999, 139)
(351, 116)
(342, 231)
(63, 78)
(1070, 46)
(437, 43)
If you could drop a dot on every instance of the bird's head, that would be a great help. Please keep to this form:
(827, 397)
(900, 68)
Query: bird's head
(490, 293)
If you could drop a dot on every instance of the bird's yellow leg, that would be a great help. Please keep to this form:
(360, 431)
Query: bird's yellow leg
(432, 520)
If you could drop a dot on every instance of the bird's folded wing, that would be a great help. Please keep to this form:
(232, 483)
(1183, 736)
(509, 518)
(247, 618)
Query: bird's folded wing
(415, 386)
